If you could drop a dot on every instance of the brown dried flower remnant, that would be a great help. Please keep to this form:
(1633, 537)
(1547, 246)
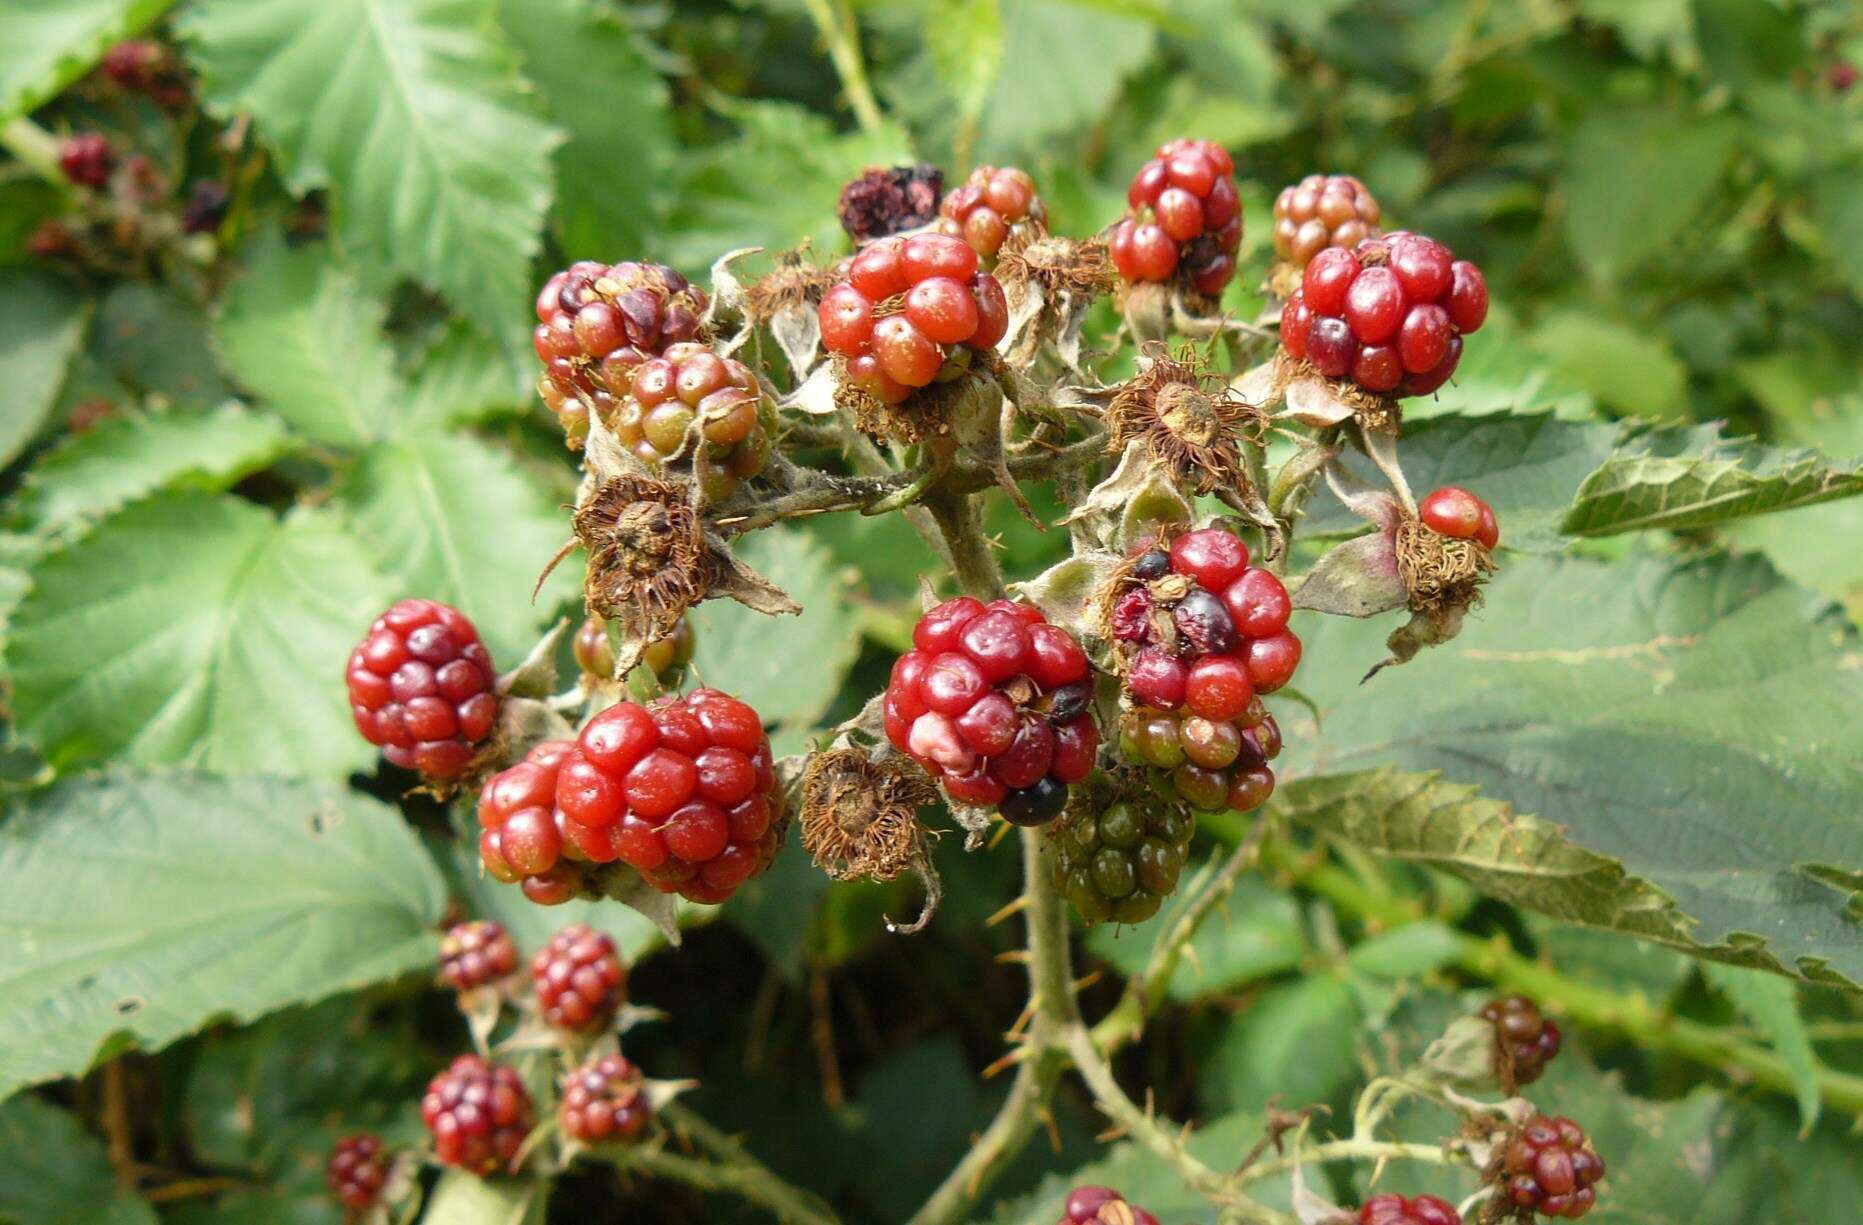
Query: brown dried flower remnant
(648, 560)
(888, 201)
(860, 814)
(1192, 425)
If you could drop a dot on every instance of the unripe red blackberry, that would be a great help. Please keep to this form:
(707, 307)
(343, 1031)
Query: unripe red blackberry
(476, 953)
(1399, 1210)
(996, 704)
(683, 788)
(596, 322)
(479, 1114)
(1525, 1041)
(523, 835)
(87, 159)
(1454, 511)
(1122, 862)
(604, 1102)
(889, 201)
(420, 685)
(910, 312)
(580, 980)
(1550, 1168)
(1102, 1206)
(357, 1171)
(1322, 211)
(1388, 315)
(688, 382)
(1185, 219)
(992, 202)
(131, 64)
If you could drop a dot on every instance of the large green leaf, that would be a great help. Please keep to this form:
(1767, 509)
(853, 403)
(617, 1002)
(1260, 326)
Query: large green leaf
(460, 1198)
(1634, 178)
(197, 630)
(56, 1173)
(141, 906)
(1772, 1004)
(413, 111)
(1684, 718)
(154, 340)
(1296, 1043)
(1630, 369)
(1064, 63)
(47, 44)
(1256, 936)
(41, 326)
(1838, 196)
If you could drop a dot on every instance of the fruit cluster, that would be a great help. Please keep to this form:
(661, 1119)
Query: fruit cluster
(604, 1101)
(523, 837)
(1413, 1210)
(997, 704)
(1550, 1168)
(87, 159)
(579, 978)
(911, 311)
(665, 657)
(684, 789)
(596, 322)
(1102, 1206)
(991, 203)
(1389, 314)
(1122, 862)
(665, 395)
(1525, 1041)
(1322, 211)
(357, 1171)
(476, 953)
(142, 66)
(479, 1114)
(1455, 512)
(420, 685)
(1200, 635)
(1185, 219)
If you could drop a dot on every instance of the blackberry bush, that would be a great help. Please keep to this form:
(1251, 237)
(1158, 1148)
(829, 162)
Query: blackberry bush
(1525, 1042)
(420, 685)
(604, 1102)
(476, 954)
(357, 1172)
(1550, 1169)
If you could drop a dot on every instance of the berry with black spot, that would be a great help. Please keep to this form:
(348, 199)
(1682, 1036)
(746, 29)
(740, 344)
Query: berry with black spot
(476, 953)
(910, 312)
(420, 685)
(1184, 222)
(1550, 1168)
(1322, 211)
(1102, 1206)
(1412, 1210)
(206, 207)
(990, 701)
(479, 1113)
(579, 978)
(523, 837)
(1525, 1041)
(1387, 315)
(888, 201)
(1120, 863)
(604, 1101)
(683, 788)
(1454, 511)
(992, 202)
(357, 1172)
(87, 159)
(689, 384)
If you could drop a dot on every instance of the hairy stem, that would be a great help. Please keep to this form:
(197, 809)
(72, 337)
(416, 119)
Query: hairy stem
(962, 528)
(841, 33)
(748, 1180)
(1349, 1150)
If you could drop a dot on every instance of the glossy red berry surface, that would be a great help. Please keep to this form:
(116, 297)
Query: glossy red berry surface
(523, 837)
(1102, 1206)
(476, 953)
(579, 978)
(1388, 313)
(907, 305)
(1525, 1041)
(1454, 511)
(1407, 1210)
(1322, 211)
(1550, 1168)
(420, 685)
(357, 1171)
(683, 788)
(1184, 220)
(995, 702)
(479, 1114)
(989, 204)
(604, 1102)
(87, 159)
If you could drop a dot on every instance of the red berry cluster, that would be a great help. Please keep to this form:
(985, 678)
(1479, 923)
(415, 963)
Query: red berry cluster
(1398, 1210)
(683, 788)
(910, 312)
(1185, 219)
(357, 1171)
(991, 202)
(524, 836)
(604, 1101)
(476, 953)
(580, 980)
(664, 395)
(142, 66)
(1454, 511)
(596, 322)
(479, 1114)
(420, 685)
(997, 704)
(1550, 1168)
(1526, 1040)
(1201, 634)
(87, 159)
(1322, 211)
(1389, 314)
(1102, 1206)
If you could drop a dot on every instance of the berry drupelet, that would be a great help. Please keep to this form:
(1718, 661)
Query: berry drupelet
(479, 1114)
(992, 202)
(87, 159)
(1120, 863)
(476, 953)
(665, 395)
(420, 685)
(604, 1101)
(1550, 1168)
(1102, 1206)
(1322, 211)
(1454, 511)
(1185, 219)
(357, 1172)
(523, 836)
(579, 978)
(1407, 1210)
(890, 200)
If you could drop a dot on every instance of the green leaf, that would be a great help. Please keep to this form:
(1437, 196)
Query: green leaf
(1632, 371)
(142, 906)
(56, 1173)
(1772, 1004)
(1837, 197)
(1066, 63)
(51, 43)
(460, 1198)
(129, 455)
(196, 630)
(1681, 720)
(1408, 952)
(464, 378)
(1256, 935)
(298, 329)
(18, 554)
(41, 327)
(598, 87)
(413, 111)
(154, 340)
(426, 507)
(1635, 178)
(1682, 479)
(1295, 1043)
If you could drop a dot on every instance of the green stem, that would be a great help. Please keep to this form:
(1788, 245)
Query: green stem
(34, 147)
(841, 33)
(1349, 1150)
(962, 528)
(749, 1181)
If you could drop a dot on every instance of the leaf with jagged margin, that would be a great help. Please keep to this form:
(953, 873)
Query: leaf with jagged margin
(1064, 63)
(464, 378)
(414, 112)
(1772, 1004)
(154, 339)
(143, 905)
(51, 43)
(41, 327)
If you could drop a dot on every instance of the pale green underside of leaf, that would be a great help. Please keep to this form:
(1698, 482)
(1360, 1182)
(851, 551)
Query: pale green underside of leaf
(41, 326)
(183, 630)
(45, 45)
(460, 1198)
(146, 905)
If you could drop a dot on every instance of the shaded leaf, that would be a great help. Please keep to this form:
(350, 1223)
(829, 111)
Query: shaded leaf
(41, 327)
(51, 43)
(1630, 370)
(1255, 935)
(56, 1173)
(1634, 178)
(1772, 1004)
(154, 340)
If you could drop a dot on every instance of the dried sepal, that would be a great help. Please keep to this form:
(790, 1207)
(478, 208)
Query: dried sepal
(888, 200)
(1191, 424)
(965, 409)
(1439, 571)
(1050, 284)
(787, 303)
(860, 819)
(1137, 501)
(1068, 592)
(1315, 401)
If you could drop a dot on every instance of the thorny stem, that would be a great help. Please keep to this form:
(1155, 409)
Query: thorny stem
(1356, 1149)
(841, 34)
